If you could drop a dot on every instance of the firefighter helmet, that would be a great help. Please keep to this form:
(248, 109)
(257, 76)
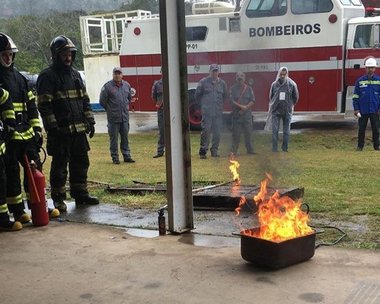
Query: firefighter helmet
(7, 45)
(370, 63)
(61, 43)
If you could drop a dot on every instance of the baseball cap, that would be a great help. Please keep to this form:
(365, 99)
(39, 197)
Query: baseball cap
(214, 67)
(240, 75)
(117, 70)
(370, 63)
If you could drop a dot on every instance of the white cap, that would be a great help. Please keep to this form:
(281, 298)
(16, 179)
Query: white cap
(370, 63)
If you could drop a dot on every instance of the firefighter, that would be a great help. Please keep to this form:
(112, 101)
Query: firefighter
(7, 125)
(66, 114)
(27, 135)
(157, 92)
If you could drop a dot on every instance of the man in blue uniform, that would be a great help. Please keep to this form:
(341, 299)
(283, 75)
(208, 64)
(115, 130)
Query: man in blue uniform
(366, 102)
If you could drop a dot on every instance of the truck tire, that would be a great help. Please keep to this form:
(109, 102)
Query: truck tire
(195, 113)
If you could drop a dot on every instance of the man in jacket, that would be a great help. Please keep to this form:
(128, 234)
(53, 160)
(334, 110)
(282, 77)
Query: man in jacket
(366, 102)
(27, 136)
(283, 96)
(115, 97)
(67, 117)
(157, 92)
(7, 125)
(212, 92)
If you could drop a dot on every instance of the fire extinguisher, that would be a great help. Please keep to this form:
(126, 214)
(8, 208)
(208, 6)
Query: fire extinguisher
(37, 191)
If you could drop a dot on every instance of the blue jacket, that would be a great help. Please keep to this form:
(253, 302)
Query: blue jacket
(366, 98)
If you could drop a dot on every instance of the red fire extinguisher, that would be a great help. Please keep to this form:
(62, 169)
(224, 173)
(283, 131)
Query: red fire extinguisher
(37, 187)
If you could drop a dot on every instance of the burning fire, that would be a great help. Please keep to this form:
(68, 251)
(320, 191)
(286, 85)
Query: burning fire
(280, 217)
(233, 168)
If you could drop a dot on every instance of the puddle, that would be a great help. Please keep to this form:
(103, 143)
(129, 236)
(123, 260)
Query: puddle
(144, 233)
(209, 240)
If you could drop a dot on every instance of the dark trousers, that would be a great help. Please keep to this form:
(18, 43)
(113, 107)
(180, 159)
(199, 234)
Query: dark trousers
(69, 156)
(16, 149)
(161, 132)
(3, 187)
(363, 121)
(114, 129)
(242, 125)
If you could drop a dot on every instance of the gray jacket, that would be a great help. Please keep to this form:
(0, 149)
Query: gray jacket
(115, 100)
(211, 94)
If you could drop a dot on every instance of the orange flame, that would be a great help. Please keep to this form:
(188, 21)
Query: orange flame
(234, 166)
(280, 217)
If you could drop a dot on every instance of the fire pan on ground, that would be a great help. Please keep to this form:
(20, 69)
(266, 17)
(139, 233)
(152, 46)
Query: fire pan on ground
(275, 255)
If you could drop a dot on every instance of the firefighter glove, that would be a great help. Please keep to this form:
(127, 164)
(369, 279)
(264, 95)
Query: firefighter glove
(91, 131)
(38, 138)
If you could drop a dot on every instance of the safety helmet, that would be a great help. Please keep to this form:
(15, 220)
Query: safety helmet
(61, 43)
(7, 44)
(370, 63)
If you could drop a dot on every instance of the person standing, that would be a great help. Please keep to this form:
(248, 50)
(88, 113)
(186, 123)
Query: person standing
(283, 96)
(115, 97)
(242, 100)
(7, 125)
(157, 91)
(27, 136)
(66, 114)
(211, 92)
(366, 103)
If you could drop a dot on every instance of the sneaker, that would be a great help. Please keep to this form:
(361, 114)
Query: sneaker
(86, 200)
(116, 161)
(53, 213)
(158, 155)
(129, 160)
(22, 217)
(61, 206)
(202, 156)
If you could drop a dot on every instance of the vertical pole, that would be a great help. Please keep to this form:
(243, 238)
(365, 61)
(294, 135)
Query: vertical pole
(177, 139)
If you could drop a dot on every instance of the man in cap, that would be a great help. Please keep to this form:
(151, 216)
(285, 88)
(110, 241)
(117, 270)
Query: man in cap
(67, 117)
(366, 102)
(115, 97)
(211, 92)
(242, 100)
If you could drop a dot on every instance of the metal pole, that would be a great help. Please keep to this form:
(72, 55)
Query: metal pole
(177, 139)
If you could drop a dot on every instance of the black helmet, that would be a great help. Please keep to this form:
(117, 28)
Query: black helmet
(7, 44)
(60, 43)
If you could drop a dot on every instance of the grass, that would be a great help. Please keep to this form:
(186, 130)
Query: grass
(341, 184)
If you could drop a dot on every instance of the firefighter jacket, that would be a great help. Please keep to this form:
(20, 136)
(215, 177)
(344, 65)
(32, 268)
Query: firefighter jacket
(63, 101)
(24, 104)
(7, 118)
(366, 97)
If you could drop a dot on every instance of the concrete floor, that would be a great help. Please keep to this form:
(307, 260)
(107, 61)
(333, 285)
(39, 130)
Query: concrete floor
(67, 262)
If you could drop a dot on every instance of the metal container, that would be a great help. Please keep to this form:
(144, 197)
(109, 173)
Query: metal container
(274, 255)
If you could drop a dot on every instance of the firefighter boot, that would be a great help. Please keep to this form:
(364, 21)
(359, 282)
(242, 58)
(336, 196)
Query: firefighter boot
(60, 205)
(53, 212)
(7, 225)
(19, 213)
(86, 200)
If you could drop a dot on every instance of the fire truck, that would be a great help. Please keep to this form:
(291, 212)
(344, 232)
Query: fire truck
(323, 43)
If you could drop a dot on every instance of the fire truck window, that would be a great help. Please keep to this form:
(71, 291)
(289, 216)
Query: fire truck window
(266, 8)
(222, 24)
(196, 33)
(363, 36)
(235, 25)
(311, 6)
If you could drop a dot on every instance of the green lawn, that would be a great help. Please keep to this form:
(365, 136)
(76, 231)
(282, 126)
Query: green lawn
(340, 183)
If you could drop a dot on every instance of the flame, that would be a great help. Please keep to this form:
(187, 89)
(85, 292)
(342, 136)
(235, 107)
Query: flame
(233, 168)
(280, 217)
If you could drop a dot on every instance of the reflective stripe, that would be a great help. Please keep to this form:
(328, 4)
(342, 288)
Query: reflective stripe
(4, 208)
(355, 96)
(2, 148)
(80, 127)
(44, 98)
(5, 97)
(20, 106)
(58, 190)
(28, 134)
(71, 94)
(31, 95)
(14, 200)
(35, 122)
(10, 114)
(369, 82)
(50, 118)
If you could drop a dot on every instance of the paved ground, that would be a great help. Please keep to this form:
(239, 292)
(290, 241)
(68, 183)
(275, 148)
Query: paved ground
(68, 262)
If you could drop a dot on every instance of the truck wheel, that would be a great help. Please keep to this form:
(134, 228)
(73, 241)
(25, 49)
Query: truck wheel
(195, 113)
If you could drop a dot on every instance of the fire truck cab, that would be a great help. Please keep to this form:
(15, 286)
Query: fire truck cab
(323, 43)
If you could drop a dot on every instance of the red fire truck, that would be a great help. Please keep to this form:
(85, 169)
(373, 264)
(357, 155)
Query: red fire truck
(322, 42)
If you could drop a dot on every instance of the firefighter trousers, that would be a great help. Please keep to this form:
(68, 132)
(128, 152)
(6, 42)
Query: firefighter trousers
(69, 157)
(14, 155)
(3, 190)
